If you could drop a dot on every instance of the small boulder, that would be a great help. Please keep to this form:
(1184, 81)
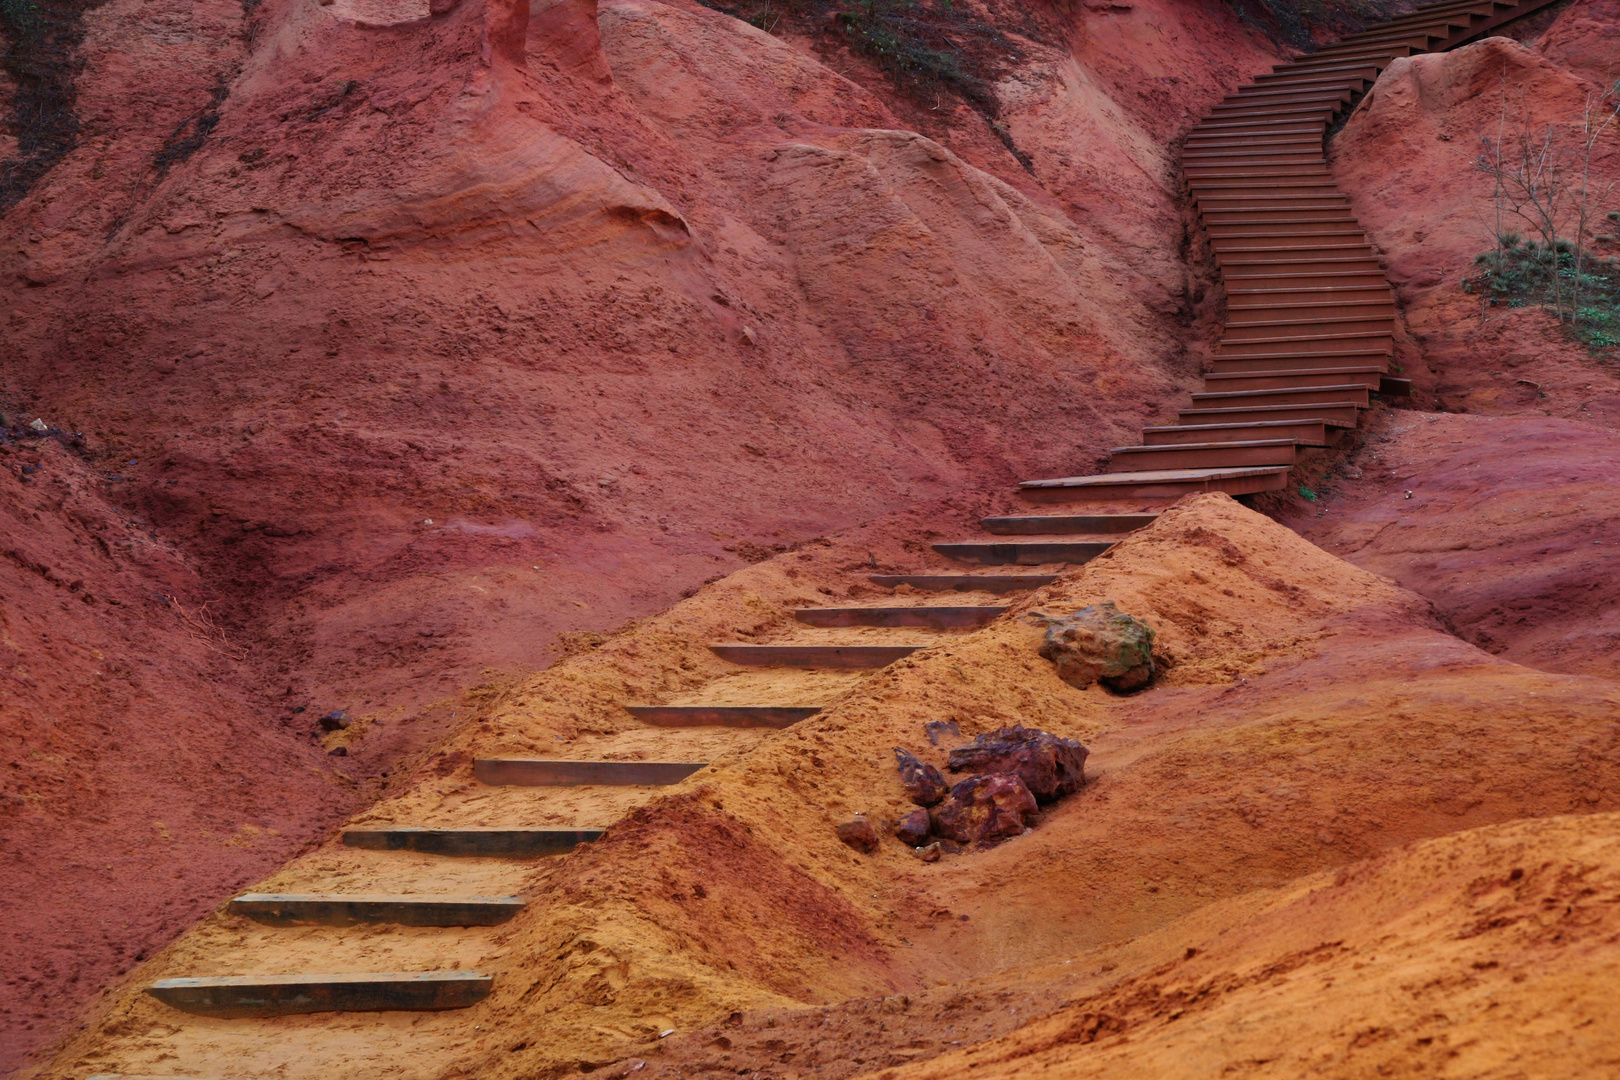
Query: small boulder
(982, 808)
(1051, 767)
(859, 835)
(336, 720)
(930, 853)
(922, 781)
(1100, 644)
(913, 828)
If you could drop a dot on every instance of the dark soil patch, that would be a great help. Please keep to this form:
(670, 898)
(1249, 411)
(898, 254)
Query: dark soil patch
(42, 59)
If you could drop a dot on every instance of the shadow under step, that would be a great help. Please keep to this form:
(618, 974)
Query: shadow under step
(732, 716)
(495, 843)
(815, 656)
(936, 618)
(992, 583)
(1025, 552)
(1166, 483)
(1203, 455)
(339, 909)
(232, 996)
(540, 772)
(1058, 524)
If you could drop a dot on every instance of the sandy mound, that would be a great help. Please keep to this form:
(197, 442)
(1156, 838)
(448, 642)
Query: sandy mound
(1310, 715)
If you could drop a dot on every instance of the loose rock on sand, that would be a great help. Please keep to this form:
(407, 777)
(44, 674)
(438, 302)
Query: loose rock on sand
(1050, 767)
(859, 835)
(985, 808)
(1100, 644)
(923, 782)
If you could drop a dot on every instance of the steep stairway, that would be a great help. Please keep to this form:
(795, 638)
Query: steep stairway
(1308, 340)
(1310, 316)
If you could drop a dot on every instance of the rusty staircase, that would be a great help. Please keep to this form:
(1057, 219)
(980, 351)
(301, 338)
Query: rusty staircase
(1310, 316)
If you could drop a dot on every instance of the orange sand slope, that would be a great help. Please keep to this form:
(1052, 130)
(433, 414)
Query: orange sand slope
(1489, 953)
(1310, 715)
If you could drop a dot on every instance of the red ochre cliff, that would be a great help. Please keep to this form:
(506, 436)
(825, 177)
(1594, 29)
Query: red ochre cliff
(395, 356)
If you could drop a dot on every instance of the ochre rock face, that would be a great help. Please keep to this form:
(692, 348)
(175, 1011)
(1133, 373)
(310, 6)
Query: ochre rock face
(1406, 159)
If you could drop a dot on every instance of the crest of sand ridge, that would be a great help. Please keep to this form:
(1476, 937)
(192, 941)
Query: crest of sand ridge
(1486, 953)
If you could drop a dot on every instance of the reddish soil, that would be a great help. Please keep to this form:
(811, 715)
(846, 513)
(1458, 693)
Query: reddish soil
(1506, 523)
(142, 779)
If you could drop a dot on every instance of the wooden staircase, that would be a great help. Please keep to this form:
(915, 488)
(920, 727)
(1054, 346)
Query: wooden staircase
(1310, 316)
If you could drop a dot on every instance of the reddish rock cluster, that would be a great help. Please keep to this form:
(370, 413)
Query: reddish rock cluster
(1016, 769)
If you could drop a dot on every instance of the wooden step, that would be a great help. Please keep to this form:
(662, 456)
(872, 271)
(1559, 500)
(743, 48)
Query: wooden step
(1300, 84)
(1058, 524)
(1297, 226)
(1025, 553)
(1264, 129)
(733, 716)
(814, 656)
(1227, 110)
(1300, 361)
(1287, 75)
(1313, 116)
(1203, 455)
(540, 772)
(1355, 393)
(937, 618)
(1343, 414)
(1280, 305)
(1204, 171)
(1378, 55)
(1241, 331)
(1304, 278)
(495, 843)
(345, 909)
(1395, 386)
(1362, 290)
(992, 583)
(1168, 484)
(235, 996)
(1222, 211)
(1297, 342)
(1219, 381)
(1256, 263)
(1300, 432)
